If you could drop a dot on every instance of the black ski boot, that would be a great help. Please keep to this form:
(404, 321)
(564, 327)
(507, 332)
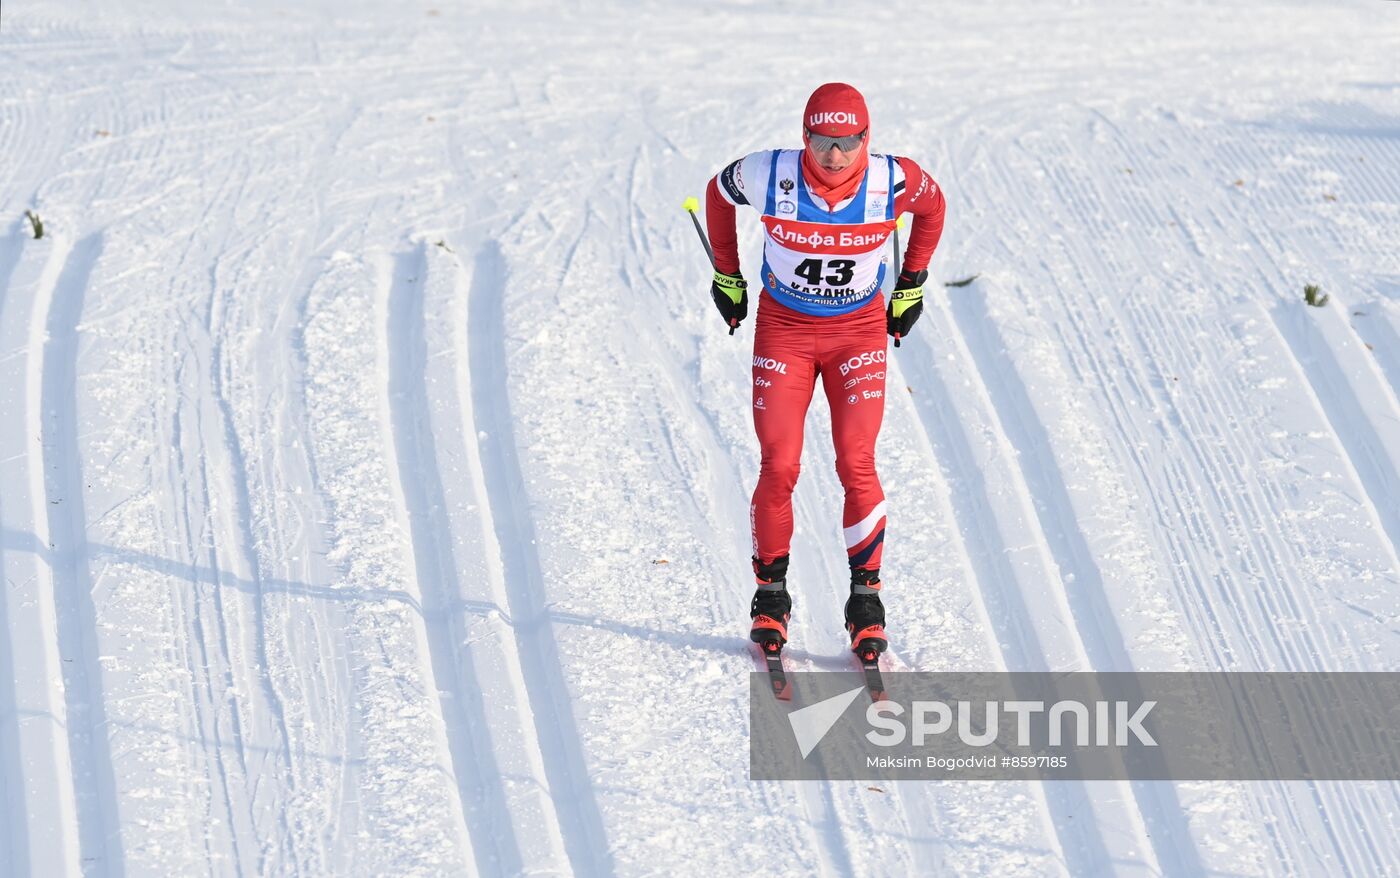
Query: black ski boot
(772, 605)
(865, 615)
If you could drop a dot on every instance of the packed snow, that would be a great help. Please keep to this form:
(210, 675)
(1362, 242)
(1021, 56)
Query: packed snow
(374, 468)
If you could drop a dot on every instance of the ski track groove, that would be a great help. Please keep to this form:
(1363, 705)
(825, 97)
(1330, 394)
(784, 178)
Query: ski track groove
(1372, 464)
(201, 695)
(1373, 468)
(55, 343)
(1382, 337)
(367, 635)
(458, 683)
(1043, 482)
(1078, 343)
(1095, 632)
(1167, 805)
(989, 552)
(1265, 556)
(295, 315)
(204, 525)
(813, 575)
(827, 581)
(29, 162)
(925, 412)
(556, 729)
(816, 810)
(1273, 546)
(238, 515)
(239, 523)
(15, 838)
(819, 802)
(516, 761)
(1266, 598)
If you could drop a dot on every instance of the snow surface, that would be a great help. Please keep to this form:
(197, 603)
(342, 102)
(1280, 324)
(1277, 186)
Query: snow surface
(374, 469)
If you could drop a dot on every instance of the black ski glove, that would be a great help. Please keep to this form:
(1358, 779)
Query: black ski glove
(731, 295)
(906, 304)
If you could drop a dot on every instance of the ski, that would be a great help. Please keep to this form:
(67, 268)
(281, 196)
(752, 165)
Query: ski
(777, 677)
(869, 659)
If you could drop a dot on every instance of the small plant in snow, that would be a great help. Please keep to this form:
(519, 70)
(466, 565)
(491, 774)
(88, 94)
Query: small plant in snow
(36, 223)
(1313, 295)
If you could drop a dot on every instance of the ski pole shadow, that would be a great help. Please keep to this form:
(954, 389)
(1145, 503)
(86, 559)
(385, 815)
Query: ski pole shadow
(682, 639)
(12, 540)
(97, 554)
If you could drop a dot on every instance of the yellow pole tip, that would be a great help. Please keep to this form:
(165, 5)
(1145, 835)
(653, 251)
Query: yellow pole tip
(899, 223)
(692, 204)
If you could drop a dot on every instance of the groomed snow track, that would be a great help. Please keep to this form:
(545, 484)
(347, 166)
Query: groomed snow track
(374, 471)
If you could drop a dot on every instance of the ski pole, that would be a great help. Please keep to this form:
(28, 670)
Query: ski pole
(898, 263)
(692, 204)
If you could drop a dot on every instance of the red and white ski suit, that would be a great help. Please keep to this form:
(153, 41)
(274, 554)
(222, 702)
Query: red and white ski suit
(821, 315)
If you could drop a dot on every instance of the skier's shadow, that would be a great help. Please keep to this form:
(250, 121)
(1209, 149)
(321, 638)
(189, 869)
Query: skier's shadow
(12, 540)
(811, 661)
(817, 661)
(682, 639)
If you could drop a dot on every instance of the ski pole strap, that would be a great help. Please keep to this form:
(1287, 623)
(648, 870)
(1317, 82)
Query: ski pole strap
(692, 204)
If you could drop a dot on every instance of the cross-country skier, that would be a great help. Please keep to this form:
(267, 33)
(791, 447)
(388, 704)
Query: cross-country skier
(827, 212)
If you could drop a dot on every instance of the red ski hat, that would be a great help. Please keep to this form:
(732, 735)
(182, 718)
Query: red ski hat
(836, 110)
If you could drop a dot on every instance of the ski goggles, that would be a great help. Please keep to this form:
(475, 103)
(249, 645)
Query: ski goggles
(822, 143)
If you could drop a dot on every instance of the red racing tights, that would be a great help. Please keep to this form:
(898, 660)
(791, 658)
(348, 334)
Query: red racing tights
(790, 351)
